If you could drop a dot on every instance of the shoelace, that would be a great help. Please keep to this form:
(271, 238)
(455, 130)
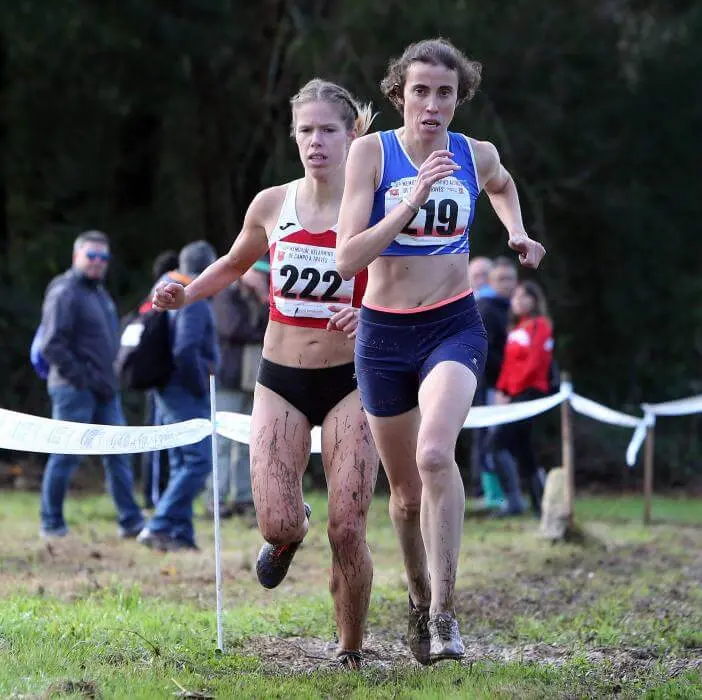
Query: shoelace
(444, 626)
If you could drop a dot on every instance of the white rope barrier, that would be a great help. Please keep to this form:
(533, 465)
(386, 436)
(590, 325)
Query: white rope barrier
(638, 438)
(488, 416)
(27, 433)
(681, 407)
(591, 409)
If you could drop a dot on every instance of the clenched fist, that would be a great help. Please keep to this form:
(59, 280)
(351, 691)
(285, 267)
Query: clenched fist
(530, 252)
(168, 296)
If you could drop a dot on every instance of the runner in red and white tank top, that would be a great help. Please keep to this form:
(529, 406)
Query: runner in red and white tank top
(307, 376)
(306, 289)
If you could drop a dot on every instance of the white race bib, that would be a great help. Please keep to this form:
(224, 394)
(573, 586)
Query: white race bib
(442, 219)
(305, 281)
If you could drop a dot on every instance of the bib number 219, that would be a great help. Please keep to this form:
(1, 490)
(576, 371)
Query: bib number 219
(444, 215)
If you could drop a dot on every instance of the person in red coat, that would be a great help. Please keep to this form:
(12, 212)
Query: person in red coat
(524, 377)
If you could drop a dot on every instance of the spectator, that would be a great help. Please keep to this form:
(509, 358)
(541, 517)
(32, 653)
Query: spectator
(154, 465)
(80, 343)
(478, 274)
(241, 317)
(524, 377)
(186, 396)
(493, 305)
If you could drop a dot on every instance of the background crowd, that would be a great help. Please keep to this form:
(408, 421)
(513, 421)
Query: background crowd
(81, 339)
(81, 328)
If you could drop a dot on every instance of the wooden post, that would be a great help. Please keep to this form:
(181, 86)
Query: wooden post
(567, 454)
(648, 475)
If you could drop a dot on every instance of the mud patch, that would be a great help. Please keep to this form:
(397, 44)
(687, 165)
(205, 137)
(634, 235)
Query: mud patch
(385, 652)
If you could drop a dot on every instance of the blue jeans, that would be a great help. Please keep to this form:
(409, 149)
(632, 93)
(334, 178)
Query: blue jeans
(233, 469)
(190, 465)
(82, 406)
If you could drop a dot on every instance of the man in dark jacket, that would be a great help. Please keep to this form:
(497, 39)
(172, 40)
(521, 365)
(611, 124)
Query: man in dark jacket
(80, 343)
(241, 317)
(186, 396)
(493, 304)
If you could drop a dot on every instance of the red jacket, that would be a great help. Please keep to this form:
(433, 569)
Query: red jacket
(527, 358)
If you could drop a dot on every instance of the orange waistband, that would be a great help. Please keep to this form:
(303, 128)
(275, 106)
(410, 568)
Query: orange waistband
(416, 309)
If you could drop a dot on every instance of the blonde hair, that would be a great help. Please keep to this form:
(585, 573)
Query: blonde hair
(353, 114)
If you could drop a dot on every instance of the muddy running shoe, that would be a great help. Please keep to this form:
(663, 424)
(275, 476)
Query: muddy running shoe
(274, 561)
(418, 637)
(350, 660)
(446, 642)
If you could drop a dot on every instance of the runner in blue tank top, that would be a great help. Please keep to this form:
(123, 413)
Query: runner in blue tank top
(406, 212)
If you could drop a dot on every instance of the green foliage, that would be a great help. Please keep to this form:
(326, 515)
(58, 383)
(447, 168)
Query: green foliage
(158, 122)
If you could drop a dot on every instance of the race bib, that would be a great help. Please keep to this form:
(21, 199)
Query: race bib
(305, 281)
(442, 219)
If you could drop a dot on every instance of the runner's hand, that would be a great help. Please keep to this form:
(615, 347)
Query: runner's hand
(530, 252)
(168, 296)
(345, 319)
(438, 165)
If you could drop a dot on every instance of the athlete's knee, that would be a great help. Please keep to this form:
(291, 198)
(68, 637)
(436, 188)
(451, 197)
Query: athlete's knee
(434, 459)
(346, 534)
(405, 505)
(279, 531)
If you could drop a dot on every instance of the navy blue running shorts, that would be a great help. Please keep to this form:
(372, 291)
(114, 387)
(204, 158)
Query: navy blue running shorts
(396, 351)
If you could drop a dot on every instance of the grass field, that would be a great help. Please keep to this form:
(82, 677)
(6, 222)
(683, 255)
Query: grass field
(96, 617)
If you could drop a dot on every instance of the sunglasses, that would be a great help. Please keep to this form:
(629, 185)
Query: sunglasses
(93, 255)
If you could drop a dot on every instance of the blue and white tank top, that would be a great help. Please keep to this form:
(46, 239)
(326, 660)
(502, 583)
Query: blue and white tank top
(442, 224)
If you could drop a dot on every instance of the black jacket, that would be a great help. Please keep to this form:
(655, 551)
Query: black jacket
(80, 334)
(495, 313)
(240, 319)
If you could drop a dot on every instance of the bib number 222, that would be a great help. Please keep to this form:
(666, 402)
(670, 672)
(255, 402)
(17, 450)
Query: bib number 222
(313, 277)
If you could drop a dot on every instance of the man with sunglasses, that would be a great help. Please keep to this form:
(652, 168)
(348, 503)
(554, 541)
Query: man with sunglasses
(80, 343)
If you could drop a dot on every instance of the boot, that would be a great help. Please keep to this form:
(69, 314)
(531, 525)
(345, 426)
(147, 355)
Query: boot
(493, 496)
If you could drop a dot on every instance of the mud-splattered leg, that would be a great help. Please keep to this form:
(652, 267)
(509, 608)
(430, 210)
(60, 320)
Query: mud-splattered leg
(351, 467)
(279, 450)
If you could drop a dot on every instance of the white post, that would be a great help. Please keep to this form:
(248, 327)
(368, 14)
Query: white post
(215, 494)
(567, 454)
(648, 474)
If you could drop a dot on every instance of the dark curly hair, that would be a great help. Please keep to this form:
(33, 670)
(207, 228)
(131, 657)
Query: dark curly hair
(436, 52)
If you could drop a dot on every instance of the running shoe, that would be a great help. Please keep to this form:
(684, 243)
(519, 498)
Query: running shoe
(446, 642)
(350, 660)
(417, 632)
(274, 560)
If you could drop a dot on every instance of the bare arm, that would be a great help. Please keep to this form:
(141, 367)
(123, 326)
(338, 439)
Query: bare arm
(249, 246)
(358, 246)
(500, 188)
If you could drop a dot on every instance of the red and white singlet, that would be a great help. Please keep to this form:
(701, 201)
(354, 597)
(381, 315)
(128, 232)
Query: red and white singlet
(304, 280)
